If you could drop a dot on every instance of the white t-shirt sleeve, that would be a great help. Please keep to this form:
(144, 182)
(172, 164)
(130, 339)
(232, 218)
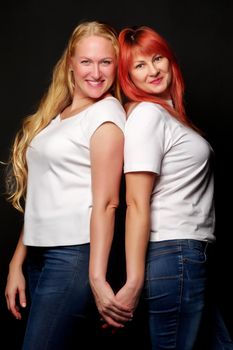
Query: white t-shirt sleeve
(144, 139)
(107, 110)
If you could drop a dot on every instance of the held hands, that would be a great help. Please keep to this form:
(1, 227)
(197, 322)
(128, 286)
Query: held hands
(15, 291)
(128, 295)
(114, 313)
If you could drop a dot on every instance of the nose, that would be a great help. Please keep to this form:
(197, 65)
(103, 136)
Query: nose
(96, 71)
(153, 69)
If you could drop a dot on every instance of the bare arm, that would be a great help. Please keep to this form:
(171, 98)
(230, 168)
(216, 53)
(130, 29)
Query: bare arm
(15, 286)
(139, 187)
(106, 163)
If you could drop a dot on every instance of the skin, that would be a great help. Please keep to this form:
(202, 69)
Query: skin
(139, 186)
(94, 68)
(16, 284)
(106, 183)
(151, 74)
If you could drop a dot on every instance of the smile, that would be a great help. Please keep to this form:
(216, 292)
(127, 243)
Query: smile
(156, 81)
(95, 83)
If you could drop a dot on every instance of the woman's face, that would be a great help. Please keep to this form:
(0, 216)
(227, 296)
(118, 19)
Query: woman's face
(151, 74)
(94, 67)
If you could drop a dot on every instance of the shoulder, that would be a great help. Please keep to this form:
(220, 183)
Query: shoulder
(109, 102)
(146, 111)
(108, 109)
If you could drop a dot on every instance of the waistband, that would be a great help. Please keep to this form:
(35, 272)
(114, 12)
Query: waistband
(191, 243)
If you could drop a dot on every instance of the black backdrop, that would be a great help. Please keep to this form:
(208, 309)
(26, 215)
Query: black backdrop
(33, 34)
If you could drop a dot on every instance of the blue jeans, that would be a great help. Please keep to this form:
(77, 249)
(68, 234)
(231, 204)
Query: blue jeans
(175, 288)
(61, 298)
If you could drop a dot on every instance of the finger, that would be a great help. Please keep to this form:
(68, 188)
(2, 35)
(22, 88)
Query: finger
(105, 326)
(111, 322)
(124, 315)
(12, 307)
(117, 310)
(122, 308)
(7, 302)
(15, 312)
(118, 315)
(22, 298)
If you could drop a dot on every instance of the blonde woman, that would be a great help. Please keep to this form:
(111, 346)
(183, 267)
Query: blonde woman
(66, 167)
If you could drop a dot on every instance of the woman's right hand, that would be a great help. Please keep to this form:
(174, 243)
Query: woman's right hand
(113, 312)
(15, 291)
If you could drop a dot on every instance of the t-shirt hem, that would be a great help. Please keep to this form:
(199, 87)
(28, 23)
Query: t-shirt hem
(128, 169)
(205, 237)
(54, 243)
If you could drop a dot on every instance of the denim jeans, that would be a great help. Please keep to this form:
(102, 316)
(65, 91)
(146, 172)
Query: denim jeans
(175, 287)
(61, 298)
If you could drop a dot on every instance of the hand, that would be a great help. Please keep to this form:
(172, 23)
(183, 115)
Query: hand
(113, 312)
(15, 290)
(129, 295)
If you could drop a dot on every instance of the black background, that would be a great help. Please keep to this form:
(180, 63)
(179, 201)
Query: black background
(32, 37)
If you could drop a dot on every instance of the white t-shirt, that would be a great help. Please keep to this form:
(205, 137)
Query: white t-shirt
(59, 196)
(182, 200)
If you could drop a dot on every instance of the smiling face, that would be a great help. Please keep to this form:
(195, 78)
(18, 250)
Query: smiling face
(151, 74)
(94, 66)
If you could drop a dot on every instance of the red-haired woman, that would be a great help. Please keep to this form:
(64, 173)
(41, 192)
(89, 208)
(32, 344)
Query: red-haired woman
(169, 192)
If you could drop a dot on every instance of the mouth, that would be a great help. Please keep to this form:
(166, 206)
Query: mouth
(95, 83)
(156, 81)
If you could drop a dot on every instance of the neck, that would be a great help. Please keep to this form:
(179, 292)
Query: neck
(80, 103)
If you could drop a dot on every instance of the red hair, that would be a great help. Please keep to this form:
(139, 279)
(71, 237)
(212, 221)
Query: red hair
(147, 41)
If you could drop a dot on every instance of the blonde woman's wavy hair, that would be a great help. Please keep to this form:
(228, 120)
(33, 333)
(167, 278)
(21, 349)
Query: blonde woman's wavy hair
(58, 97)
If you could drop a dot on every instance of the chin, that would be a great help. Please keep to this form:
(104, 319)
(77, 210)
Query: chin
(97, 95)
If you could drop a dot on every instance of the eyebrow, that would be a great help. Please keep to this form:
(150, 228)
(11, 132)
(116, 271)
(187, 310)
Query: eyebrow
(139, 61)
(103, 58)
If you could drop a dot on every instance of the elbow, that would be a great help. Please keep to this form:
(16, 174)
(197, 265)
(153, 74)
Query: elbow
(132, 202)
(137, 204)
(112, 204)
(106, 205)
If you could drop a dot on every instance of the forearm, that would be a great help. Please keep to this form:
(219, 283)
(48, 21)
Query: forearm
(106, 170)
(136, 241)
(16, 285)
(102, 230)
(19, 254)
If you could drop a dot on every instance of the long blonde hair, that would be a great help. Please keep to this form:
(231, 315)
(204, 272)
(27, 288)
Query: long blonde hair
(56, 99)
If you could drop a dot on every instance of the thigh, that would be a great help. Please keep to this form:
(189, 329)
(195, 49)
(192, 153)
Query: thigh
(61, 300)
(193, 294)
(195, 275)
(163, 290)
(174, 291)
